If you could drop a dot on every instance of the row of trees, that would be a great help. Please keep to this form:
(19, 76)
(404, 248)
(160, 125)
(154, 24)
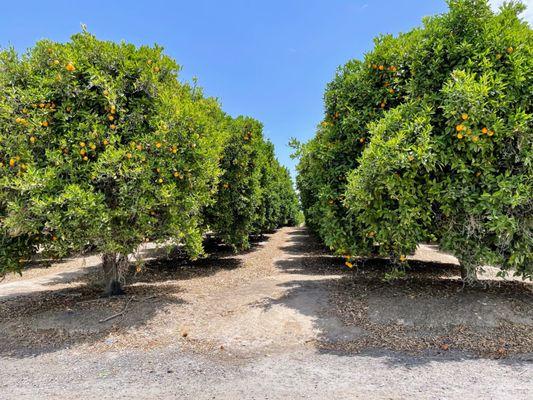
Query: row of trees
(102, 147)
(429, 138)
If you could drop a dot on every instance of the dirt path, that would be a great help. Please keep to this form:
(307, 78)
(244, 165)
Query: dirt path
(283, 320)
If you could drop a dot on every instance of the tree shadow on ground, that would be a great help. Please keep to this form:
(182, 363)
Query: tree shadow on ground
(429, 312)
(51, 320)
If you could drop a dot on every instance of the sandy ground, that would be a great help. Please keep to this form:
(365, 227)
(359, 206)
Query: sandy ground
(283, 320)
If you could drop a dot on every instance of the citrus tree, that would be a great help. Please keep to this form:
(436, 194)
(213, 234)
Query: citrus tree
(278, 204)
(443, 118)
(255, 193)
(101, 146)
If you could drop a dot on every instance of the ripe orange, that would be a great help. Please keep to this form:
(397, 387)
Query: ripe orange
(44, 123)
(484, 130)
(459, 136)
(464, 116)
(128, 155)
(459, 127)
(158, 145)
(70, 67)
(12, 162)
(113, 126)
(362, 140)
(381, 67)
(110, 117)
(348, 264)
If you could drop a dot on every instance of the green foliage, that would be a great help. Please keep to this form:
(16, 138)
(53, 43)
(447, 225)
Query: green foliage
(429, 138)
(101, 145)
(255, 192)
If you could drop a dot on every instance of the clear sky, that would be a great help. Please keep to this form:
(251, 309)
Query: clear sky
(268, 59)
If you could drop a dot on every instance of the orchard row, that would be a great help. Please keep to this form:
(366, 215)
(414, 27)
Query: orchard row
(102, 147)
(429, 139)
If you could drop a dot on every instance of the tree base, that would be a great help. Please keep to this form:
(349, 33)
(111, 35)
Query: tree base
(114, 288)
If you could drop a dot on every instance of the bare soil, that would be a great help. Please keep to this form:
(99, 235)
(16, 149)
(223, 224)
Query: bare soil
(283, 320)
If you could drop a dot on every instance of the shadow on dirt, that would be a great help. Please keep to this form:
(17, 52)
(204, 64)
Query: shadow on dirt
(52, 320)
(428, 312)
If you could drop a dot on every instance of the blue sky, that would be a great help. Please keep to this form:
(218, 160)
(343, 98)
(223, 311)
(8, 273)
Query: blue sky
(267, 59)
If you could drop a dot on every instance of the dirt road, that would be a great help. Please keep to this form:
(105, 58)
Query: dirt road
(284, 320)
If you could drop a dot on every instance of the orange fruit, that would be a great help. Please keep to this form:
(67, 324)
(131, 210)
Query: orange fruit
(128, 155)
(113, 126)
(158, 145)
(459, 127)
(464, 116)
(381, 67)
(459, 136)
(484, 130)
(110, 117)
(12, 162)
(70, 67)
(348, 264)
(82, 144)
(44, 123)
(105, 142)
(490, 133)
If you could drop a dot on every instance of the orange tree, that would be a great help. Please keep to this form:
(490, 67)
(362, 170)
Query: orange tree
(101, 147)
(443, 116)
(255, 193)
(278, 205)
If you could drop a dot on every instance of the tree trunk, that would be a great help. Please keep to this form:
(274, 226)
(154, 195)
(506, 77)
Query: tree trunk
(468, 275)
(112, 273)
